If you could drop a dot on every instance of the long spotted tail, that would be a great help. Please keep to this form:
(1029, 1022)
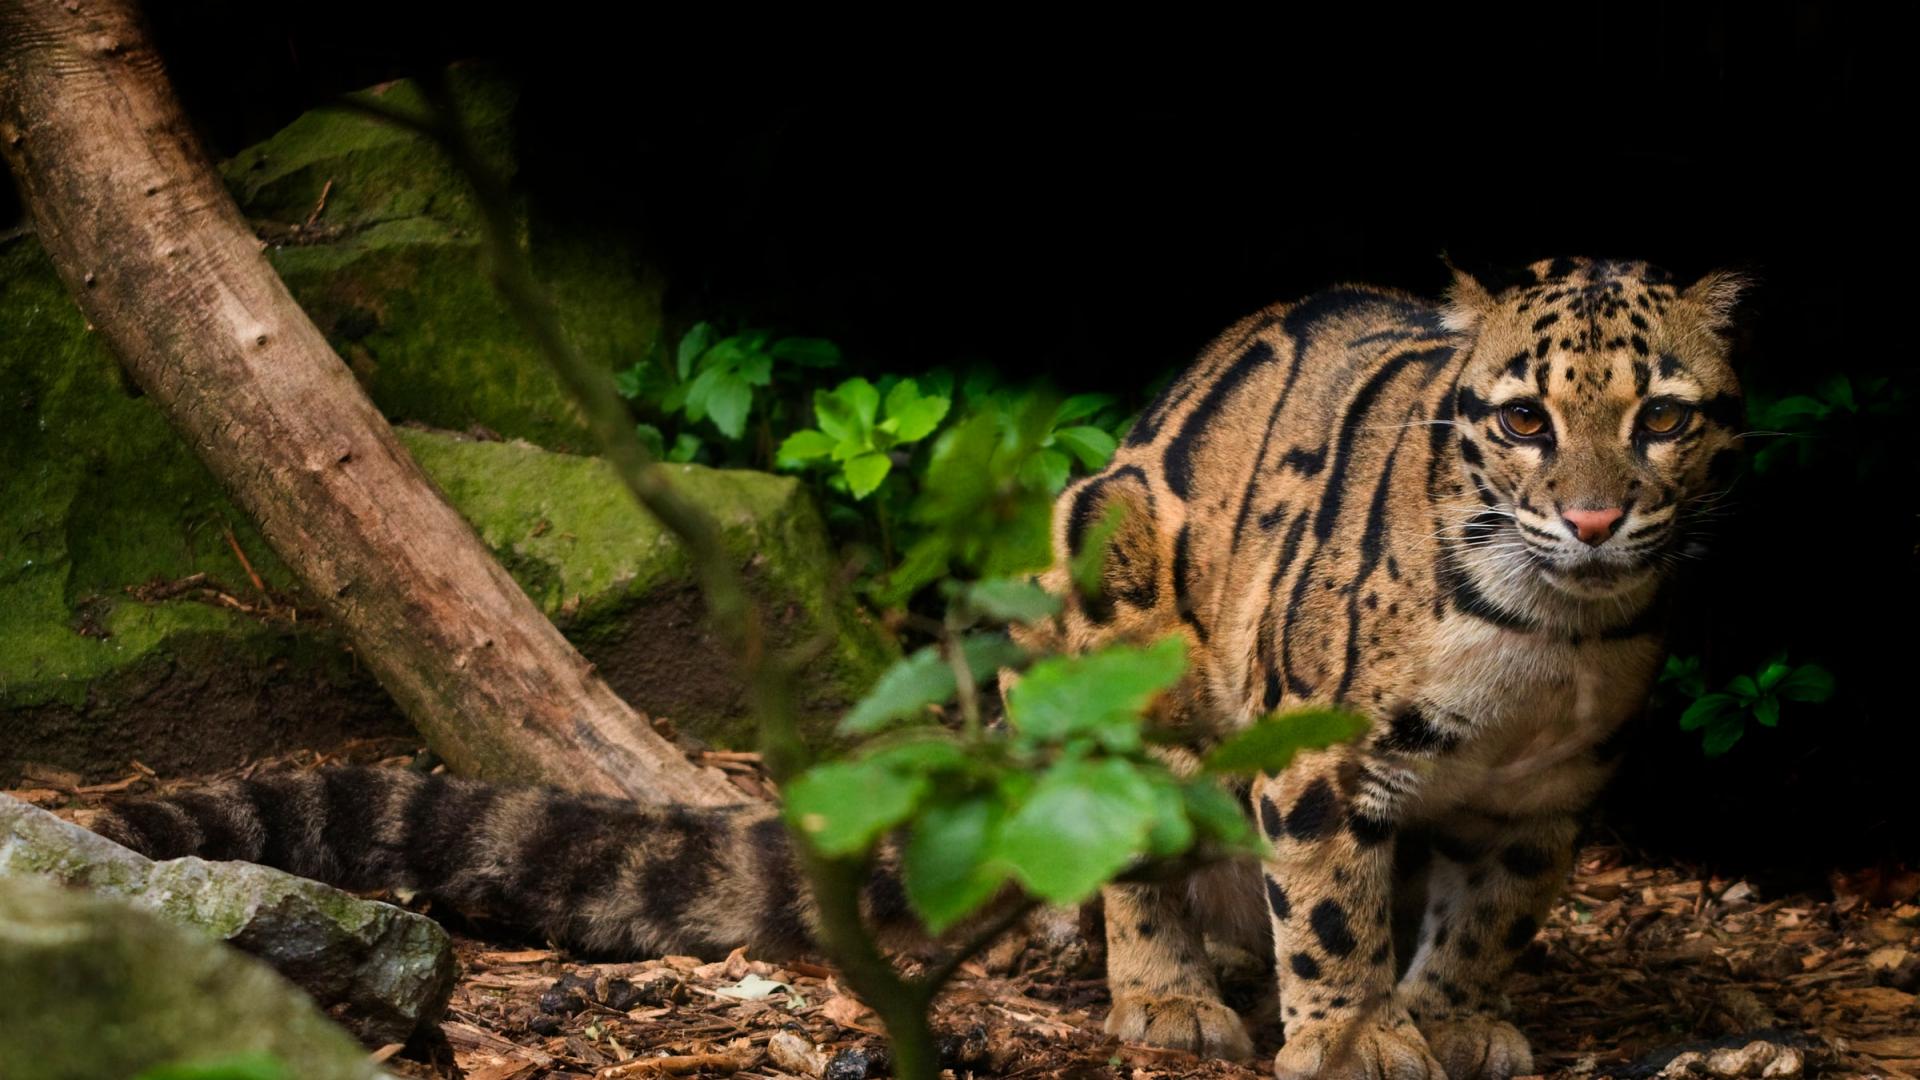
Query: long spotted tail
(590, 872)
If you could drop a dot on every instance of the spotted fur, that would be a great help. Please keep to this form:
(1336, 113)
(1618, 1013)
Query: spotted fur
(1330, 509)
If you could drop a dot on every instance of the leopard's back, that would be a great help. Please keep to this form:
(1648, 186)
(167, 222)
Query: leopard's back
(1277, 509)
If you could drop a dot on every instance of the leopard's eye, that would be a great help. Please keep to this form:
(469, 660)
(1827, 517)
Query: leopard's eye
(1664, 417)
(1523, 420)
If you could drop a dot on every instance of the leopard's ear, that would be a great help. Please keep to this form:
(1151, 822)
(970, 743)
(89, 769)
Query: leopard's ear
(1468, 301)
(1716, 296)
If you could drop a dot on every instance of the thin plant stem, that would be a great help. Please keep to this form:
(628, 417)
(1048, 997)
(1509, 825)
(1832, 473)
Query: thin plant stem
(836, 884)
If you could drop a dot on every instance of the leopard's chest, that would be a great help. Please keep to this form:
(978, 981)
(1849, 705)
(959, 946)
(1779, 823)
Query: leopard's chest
(1530, 708)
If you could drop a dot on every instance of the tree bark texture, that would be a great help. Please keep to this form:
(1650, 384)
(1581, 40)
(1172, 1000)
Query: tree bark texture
(159, 258)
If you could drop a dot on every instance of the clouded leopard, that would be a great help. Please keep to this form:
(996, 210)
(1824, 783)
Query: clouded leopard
(1456, 518)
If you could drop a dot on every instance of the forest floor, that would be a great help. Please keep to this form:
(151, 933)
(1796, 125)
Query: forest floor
(1638, 963)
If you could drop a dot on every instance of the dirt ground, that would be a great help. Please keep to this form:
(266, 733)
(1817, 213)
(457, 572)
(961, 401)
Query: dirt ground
(1637, 964)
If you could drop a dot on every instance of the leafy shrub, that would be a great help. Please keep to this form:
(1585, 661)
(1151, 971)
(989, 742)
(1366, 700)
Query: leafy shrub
(1721, 716)
(854, 438)
(936, 477)
(715, 382)
(1061, 798)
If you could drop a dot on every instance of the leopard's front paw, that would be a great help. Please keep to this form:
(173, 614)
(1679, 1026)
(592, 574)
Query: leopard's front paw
(1177, 1022)
(1478, 1047)
(1369, 1048)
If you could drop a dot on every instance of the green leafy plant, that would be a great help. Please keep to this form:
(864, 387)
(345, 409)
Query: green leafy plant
(1059, 800)
(983, 502)
(857, 438)
(1722, 715)
(1801, 422)
(716, 380)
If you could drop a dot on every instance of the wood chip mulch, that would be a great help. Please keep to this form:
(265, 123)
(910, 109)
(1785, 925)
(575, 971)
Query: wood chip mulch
(1637, 964)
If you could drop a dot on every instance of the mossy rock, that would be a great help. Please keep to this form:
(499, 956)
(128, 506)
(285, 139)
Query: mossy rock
(621, 586)
(389, 268)
(96, 988)
(98, 496)
(384, 972)
(185, 684)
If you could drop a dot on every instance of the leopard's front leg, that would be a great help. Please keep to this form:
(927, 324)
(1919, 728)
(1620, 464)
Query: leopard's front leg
(1328, 882)
(1163, 986)
(1490, 886)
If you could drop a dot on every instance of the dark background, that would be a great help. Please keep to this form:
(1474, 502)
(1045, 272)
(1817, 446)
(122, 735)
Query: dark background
(1093, 202)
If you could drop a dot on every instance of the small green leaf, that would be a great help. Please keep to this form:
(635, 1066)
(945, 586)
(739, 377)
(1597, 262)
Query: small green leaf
(1721, 737)
(1684, 674)
(686, 447)
(692, 344)
(1809, 682)
(1171, 832)
(728, 400)
(651, 438)
(1771, 675)
(924, 678)
(1679, 667)
(1270, 744)
(631, 383)
(845, 413)
(1708, 708)
(925, 750)
(1092, 446)
(1081, 406)
(1767, 711)
(860, 396)
(755, 369)
(945, 866)
(1742, 687)
(913, 415)
(1782, 413)
(805, 445)
(1082, 823)
(864, 473)
(1046, 470)
(674, 398)
(1012, 600)
(842, 807)
(1101, 693)
(1217, 814)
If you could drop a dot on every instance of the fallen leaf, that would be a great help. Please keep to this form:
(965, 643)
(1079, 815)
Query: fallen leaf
(752, 988)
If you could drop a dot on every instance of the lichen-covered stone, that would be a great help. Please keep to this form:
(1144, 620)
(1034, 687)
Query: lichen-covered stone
(380, 970)
(96, 988)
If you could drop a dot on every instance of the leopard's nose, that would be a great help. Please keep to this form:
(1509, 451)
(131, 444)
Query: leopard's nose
(1592, 526)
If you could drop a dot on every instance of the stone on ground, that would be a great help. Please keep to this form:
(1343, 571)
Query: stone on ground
(379, 970)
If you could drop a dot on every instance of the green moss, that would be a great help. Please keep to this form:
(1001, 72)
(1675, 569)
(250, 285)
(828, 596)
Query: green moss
(98, 494)
(391, 269)
(96, 491)
(370, 170)
(574, 539)
(427, 336)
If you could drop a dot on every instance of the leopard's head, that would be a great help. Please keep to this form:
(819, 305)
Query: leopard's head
(1597, 414)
